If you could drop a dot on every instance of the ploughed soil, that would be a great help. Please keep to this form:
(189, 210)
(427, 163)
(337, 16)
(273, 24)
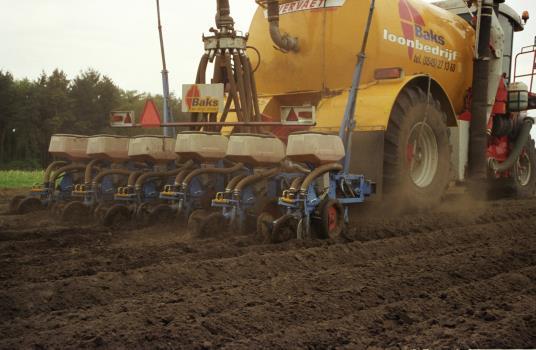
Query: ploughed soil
(461, 276)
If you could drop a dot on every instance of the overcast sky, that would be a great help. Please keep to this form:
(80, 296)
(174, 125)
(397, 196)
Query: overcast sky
(119, 38)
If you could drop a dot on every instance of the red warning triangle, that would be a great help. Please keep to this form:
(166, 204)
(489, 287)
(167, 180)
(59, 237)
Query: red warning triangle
(292, 116)
(150, 117)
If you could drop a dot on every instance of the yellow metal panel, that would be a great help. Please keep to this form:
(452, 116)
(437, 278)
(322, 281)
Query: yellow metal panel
(331, 38)
(374, 105)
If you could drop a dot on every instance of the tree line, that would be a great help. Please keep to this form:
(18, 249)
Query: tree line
(31, 111)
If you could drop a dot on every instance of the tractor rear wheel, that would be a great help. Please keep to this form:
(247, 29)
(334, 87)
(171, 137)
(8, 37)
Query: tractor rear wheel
(417, 151)
(524, 172)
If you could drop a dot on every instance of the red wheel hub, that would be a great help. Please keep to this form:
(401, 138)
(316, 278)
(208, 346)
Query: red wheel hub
(332, 218)
(410, 152)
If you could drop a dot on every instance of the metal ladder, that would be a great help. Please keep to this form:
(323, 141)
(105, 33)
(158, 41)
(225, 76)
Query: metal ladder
(525, 51)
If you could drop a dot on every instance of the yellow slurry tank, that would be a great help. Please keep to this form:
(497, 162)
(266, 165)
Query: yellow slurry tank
(412, 35)
(413, 83)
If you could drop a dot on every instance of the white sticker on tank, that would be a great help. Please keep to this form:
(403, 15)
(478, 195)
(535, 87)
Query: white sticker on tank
(306, 5)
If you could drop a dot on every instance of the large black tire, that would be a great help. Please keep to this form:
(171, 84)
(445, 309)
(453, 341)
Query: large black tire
(524, 172)
(417, 151)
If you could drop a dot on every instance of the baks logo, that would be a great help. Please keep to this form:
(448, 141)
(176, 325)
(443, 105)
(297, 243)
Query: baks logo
(416, 36)
(192, 96)
(202, 98)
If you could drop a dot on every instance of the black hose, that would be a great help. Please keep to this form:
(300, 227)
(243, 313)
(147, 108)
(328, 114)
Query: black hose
(284, 41)
(518, 148)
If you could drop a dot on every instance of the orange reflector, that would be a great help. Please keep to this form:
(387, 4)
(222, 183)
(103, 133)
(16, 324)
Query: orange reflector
(525, 16)
(388, 73)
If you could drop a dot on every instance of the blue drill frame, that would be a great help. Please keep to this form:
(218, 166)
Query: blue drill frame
(184, 200)
(235, 210)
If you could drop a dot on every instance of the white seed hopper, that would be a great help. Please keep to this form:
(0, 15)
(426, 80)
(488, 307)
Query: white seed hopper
(152, 148)
(71, 147)
(255, 149)
(108, 147)
(315, 148)
(201, 146)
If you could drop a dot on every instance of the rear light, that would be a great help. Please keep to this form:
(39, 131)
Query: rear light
(388, 73)
(298, 115)
(122, 119)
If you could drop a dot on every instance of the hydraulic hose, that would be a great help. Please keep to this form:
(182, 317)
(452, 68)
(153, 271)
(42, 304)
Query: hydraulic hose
(65, 169)
(133, 177)
(198, 172)
(89, 170)
(233, 89)
(180, 176)
(147, 176)
(254, 178)
(518, 148)
(239, 72)
(234, 181)
(295, 185)
(295, 168)
(50, 169)
(101, 175)
(150, 175)
(321, 170)
(201, 78)
(185, 169)
(284, 41)
(251, 95)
